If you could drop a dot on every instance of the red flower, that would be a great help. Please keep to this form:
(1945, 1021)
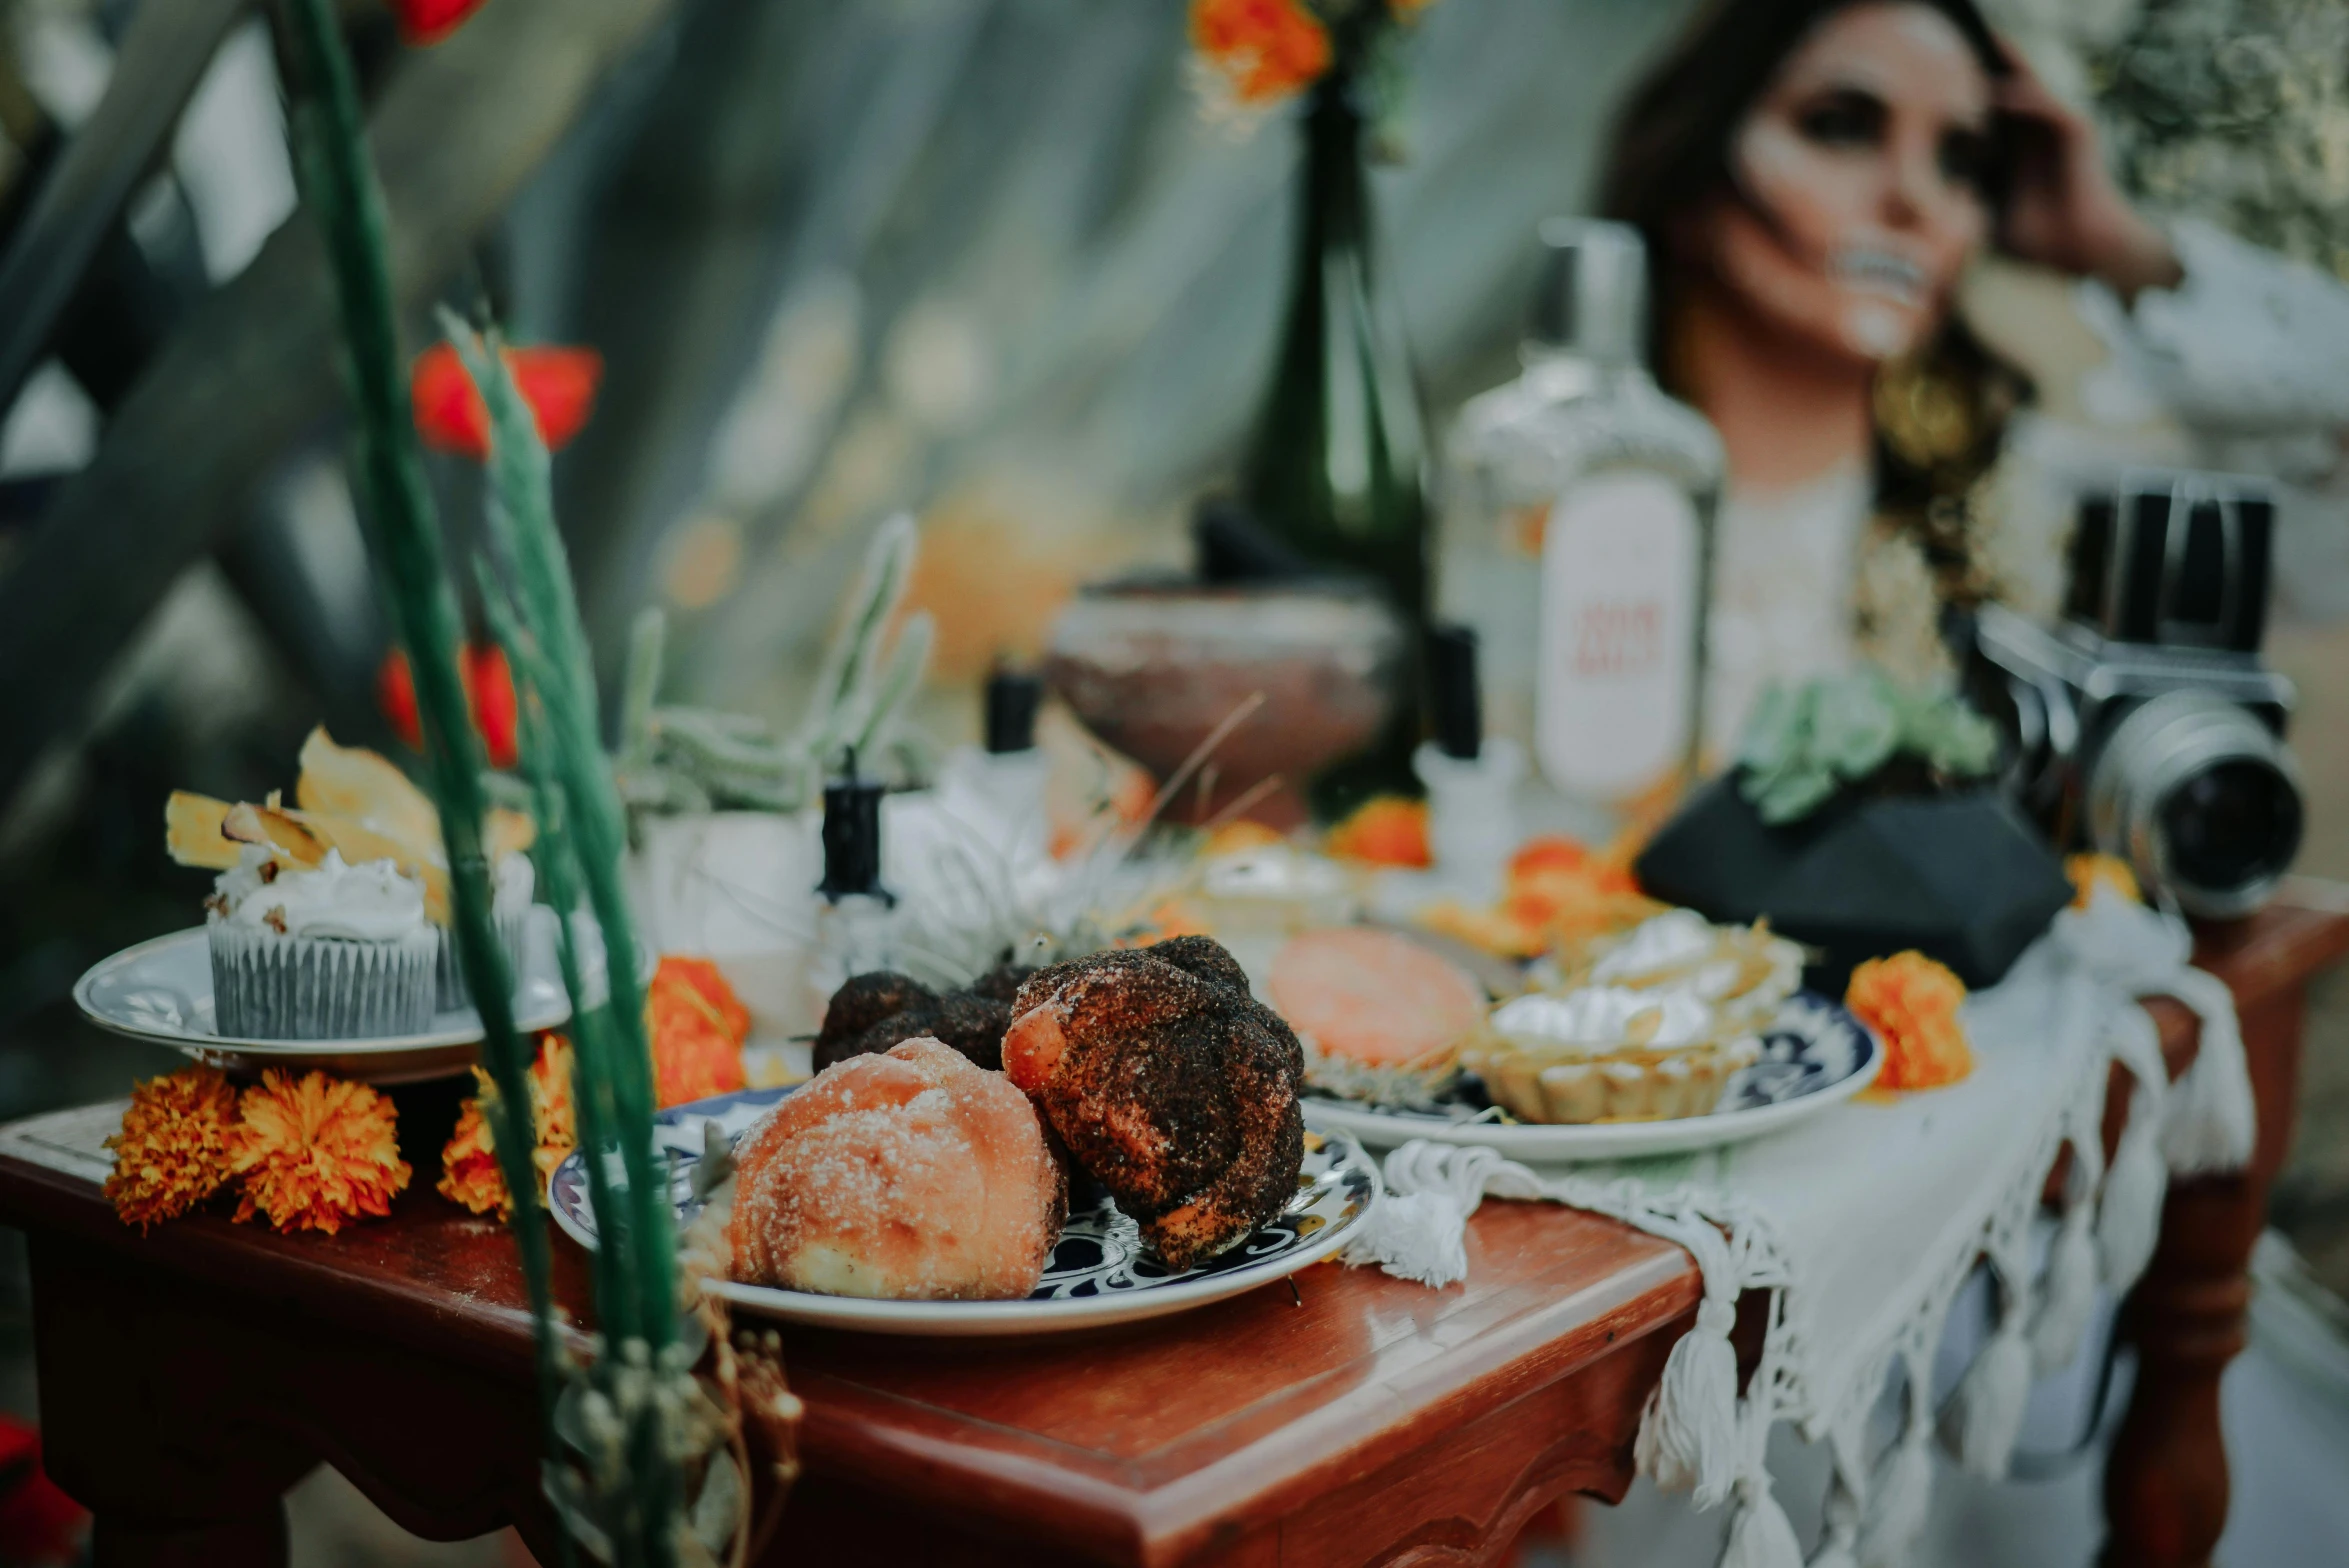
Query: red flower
(558, 384)
(395, 694)
(489, 695)
(429, 21)
(490, 683)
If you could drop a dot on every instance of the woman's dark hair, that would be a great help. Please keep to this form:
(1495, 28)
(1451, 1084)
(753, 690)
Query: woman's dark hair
(1671, 154)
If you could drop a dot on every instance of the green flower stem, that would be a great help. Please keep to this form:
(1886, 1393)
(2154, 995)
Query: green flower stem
(338, 184)
(640, 1498)
(522, 530)
(616, 1287)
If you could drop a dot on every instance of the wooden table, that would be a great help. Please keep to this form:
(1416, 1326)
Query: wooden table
(191, 1376)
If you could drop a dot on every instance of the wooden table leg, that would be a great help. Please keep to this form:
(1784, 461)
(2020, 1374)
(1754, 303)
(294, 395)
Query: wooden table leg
(133, 1428)
(2165, 1485)
(180, 1420)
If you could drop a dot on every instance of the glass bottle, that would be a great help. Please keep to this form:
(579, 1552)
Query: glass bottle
(1335, 465)
(1577, 508)
(856, 917)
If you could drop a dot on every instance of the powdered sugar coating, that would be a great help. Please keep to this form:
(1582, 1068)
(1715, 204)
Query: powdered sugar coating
(910, 1175)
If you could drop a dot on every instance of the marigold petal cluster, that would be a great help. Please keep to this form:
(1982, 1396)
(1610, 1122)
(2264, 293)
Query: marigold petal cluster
(2090, 872)
(1386, 830)
(1912, 1004)
(1264, 50)
(697, 1026)
(469, 1172)
(1558, 893)
(173, 1150)
(316, 1151)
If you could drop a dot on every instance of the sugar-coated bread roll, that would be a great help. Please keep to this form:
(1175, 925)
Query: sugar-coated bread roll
(909, 1175)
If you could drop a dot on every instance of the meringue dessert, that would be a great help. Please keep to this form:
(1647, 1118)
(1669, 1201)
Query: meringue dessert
(1744, 972)
(1608, 1053)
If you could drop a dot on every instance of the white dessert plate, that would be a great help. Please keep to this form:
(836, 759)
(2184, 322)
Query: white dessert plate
(162, 990)
(1100, 1273)
(1815, 1054)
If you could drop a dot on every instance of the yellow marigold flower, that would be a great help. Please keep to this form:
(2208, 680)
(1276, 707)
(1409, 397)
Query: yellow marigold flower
(1385, 831)
(173, 1150)
(2089, 871)
(316, 1151)
(1266, 50)
(1912, 1004)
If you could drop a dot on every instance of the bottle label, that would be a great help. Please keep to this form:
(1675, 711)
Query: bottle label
(1618, 634)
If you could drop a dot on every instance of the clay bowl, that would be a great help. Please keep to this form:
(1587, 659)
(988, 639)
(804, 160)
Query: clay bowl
(1152, 667)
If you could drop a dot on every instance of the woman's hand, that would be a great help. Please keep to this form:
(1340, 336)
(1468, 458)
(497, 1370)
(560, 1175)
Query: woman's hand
(2063, 209)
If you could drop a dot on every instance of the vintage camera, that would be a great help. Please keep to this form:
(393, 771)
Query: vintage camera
(2143, 724)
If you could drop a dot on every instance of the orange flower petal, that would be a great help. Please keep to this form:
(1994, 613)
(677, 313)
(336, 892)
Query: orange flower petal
(314, 1152)
(1386, 831)
(173, 1150)
(1912, 1004)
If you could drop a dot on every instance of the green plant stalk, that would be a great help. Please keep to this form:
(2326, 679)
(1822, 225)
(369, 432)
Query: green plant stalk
(619, 1512)
(640, 687)
(616, 1287)
(338, 183)
(522, 528)
(520, 516)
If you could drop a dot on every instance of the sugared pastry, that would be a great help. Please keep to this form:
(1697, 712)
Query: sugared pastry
(1170, 1085)
(1382, 1017)
(872, 1012)
(911, 1175)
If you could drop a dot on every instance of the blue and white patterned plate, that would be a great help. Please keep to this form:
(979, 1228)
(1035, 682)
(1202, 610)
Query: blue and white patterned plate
(1814, 1054)
(1099, 1274)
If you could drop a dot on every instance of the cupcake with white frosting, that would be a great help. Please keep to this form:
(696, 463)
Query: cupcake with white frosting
(329, 951)
(513, 883)
(1609, 1053)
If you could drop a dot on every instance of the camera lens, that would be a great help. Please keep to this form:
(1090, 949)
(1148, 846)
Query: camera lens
(2232, 825)
(2201, 798)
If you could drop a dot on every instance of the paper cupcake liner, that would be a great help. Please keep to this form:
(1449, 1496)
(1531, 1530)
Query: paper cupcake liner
(450, 989)
(271, 987)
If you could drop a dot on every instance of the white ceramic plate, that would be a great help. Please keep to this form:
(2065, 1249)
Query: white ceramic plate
(1099, 1274)
(1814, 1055)
(162, 990)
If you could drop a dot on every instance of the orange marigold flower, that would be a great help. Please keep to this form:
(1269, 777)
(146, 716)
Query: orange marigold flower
(1548, 855)
(1385, 831)
(2088, 872)
(1266, 50)
(697, 1026)
(316, 1151)
(1912, 1004)
(1234, 837)
(173, 1150)
(469, 1172)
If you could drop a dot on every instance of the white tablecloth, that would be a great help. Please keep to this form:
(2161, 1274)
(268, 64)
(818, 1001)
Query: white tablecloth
(1863, 1223)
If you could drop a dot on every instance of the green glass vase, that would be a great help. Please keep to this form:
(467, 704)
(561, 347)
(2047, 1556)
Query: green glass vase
(1336, 466)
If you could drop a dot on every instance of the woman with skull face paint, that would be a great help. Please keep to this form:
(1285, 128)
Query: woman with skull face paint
(1815, 180)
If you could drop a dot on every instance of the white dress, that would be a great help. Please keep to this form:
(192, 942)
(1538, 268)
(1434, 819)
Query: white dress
(2243, 367)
